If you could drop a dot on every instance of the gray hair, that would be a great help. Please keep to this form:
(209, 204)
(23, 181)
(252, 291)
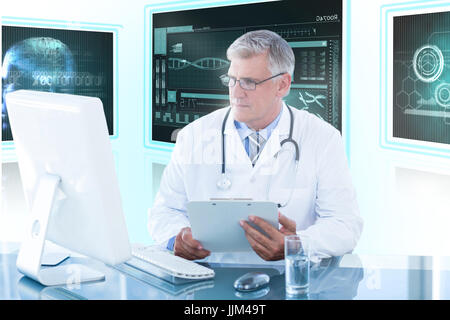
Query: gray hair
(281, 56)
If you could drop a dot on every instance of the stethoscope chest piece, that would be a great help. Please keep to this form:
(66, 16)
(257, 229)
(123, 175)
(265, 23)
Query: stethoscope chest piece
(224, 183)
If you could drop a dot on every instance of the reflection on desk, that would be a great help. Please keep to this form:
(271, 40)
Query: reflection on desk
(161, 284)
(347, 277)
(327, 281)
(32, 290)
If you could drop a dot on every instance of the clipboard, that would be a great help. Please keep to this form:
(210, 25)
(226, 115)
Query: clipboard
(215, 223)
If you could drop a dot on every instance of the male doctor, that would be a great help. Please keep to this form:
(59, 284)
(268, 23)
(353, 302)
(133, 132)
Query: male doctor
(316, 197)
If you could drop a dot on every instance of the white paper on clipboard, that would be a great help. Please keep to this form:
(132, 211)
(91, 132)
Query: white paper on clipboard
(216, 223)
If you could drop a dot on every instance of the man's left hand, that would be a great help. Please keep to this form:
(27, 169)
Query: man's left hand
(269, 248)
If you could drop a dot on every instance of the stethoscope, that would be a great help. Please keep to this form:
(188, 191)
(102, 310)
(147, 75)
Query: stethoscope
(224, 183)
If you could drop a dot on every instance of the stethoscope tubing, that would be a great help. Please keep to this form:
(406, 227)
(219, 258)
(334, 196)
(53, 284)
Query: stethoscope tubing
(225, 183)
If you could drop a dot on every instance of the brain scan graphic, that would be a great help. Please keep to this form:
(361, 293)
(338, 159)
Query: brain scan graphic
(57, 60)
(42, 63)
(38, 63)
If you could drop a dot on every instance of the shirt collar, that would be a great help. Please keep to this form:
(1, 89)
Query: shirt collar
(244, 131)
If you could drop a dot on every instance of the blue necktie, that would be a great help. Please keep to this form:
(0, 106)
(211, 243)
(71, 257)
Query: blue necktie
(255, 146)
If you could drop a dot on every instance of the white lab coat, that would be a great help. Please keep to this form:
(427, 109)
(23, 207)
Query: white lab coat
(323, 202)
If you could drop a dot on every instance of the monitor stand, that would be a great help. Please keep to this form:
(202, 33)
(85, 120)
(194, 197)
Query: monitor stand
(53, 259)
(30, 258)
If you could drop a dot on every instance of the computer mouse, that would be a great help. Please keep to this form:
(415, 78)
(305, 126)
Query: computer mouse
(251, 281)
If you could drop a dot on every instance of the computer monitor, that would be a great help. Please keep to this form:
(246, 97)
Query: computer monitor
(69, 179)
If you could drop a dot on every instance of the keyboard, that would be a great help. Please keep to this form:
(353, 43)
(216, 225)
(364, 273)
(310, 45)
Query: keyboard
(167, 262)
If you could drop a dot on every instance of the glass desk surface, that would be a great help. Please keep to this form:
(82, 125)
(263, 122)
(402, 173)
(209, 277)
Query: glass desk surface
(347, 277)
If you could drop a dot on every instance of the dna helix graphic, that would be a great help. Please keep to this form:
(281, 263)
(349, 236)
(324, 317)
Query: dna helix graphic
(207, 63)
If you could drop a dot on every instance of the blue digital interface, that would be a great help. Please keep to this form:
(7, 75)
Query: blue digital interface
(189, 55)
(421, 77)
(57, 60)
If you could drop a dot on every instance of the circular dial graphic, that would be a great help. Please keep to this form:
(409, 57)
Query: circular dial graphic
(428, 63)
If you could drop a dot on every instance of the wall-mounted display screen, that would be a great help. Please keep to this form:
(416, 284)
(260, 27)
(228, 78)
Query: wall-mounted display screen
(189, 54)
(421, 77)
(58, 60)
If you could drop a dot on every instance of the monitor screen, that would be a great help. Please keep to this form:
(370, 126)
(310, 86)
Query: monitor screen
(57, 60)
(421, 79)
(189, 54)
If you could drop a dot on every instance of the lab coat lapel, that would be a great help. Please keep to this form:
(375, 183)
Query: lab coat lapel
(234, 147)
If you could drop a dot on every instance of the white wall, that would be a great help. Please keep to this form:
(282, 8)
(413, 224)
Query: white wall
(402, 196)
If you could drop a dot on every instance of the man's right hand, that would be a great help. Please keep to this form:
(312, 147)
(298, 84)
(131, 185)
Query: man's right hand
(187, 247)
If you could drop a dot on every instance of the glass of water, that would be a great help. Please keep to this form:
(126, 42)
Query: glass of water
(297, 261)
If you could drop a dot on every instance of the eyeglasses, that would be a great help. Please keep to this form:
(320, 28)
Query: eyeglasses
(245, 83)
